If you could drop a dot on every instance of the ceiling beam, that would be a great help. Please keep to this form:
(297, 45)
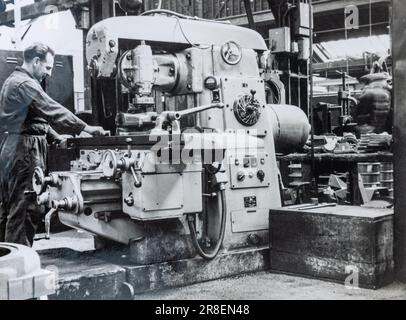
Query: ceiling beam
(339, 65)
(325, 6)
(332, 26)
(355, 67)
(265, 16)
(321, 8)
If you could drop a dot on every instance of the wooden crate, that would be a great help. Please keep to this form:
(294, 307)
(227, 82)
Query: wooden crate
(334, 243)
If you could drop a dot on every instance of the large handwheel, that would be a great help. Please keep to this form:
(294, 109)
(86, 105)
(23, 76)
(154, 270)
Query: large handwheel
(38, 181)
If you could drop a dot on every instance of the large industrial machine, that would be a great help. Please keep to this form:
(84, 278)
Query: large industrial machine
(190, 167)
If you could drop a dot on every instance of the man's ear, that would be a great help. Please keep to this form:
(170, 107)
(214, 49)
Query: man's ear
(36, 61)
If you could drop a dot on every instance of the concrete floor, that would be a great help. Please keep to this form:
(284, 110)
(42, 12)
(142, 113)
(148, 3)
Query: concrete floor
(258, 286)
(269, 286)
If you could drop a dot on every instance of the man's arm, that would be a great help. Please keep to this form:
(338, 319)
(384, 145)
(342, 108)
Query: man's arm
(57, 115)
(53, 136)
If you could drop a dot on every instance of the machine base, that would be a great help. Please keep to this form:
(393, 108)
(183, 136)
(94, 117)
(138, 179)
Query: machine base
(166, 241)
(107, 275)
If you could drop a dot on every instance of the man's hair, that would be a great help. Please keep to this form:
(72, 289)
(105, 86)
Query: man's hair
(39, 50)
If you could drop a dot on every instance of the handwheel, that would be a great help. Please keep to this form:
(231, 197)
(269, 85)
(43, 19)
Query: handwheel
(110, 165)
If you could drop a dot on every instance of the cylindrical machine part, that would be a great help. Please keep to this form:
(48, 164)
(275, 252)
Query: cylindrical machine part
(68, 204)
(304, 51)
(291, 127)
(136, 69)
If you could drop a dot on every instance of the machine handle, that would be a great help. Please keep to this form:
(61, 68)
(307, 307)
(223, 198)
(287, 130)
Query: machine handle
(201, 109)
(47, 225)
(177, 115)
(137, 182)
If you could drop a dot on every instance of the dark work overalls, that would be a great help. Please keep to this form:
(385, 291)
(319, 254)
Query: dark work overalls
(26, 113)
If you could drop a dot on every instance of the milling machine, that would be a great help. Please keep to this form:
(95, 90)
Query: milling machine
(191, 167)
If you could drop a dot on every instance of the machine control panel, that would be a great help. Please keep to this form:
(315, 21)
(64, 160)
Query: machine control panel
(249, 171)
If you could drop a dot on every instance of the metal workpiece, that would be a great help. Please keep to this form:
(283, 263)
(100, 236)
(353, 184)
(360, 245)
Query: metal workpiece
(140, 70)
(21, 275)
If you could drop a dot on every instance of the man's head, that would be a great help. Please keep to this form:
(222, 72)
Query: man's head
(39, 60)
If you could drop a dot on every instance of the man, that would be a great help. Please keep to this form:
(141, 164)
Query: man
(26, 116)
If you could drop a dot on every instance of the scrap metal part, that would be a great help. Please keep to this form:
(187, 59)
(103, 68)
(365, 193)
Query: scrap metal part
(21, 276)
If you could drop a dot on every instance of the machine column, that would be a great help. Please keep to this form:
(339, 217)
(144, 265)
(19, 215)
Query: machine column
(399, 58)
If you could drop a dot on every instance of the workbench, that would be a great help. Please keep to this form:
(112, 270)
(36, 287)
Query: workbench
(329, 163)
(346, 244)
(339, 157)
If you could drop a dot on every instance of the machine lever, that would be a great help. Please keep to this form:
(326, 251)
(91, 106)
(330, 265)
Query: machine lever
(47, 225)
(137, 182)
(177, 115)
(201, 109)
(129, 141)
(210, 195)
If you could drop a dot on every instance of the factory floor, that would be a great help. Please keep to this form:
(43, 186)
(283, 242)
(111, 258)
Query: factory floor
(258, 286)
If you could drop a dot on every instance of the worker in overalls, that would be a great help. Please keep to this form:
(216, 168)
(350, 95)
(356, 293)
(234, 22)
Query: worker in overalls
(29, 120)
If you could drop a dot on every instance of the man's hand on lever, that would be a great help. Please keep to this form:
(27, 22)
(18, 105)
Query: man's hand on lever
(95, 131)
(61, 140)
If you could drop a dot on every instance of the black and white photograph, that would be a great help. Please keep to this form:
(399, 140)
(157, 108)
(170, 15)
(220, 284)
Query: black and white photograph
(196, 156)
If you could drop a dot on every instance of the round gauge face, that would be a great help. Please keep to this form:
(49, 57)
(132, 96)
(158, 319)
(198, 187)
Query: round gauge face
(231, 52)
